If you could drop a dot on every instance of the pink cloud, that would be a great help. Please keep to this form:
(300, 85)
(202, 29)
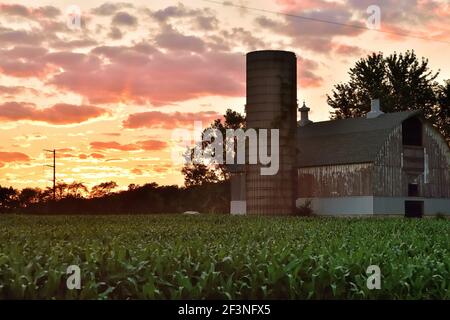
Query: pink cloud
(307, 73)
(20, 37)
(173, 40)
(15, 10)
(156, 119)
(295, 5)
(58, 114)
(109, 8)
(124, 19)
(347, 50)
(143, 75)
(16, 90)
(23, 61)
(308, 30)
(26, 12)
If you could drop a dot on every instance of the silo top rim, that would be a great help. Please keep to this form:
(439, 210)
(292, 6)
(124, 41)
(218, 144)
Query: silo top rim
(269, 53)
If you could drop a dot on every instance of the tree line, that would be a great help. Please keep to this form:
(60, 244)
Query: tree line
(76, 198)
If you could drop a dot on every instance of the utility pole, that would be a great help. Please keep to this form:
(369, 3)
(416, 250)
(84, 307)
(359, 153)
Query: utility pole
(54, 171)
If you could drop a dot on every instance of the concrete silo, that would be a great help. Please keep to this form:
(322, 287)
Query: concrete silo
(272, 104)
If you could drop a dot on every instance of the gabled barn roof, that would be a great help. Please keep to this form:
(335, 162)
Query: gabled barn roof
(353, 140)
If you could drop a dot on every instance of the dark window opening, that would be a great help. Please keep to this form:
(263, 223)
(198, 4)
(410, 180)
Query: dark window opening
(413, 190)
(412, 132)
(413, 209)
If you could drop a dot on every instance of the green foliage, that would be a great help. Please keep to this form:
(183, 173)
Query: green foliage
(305, 209)
(197, 174)
(223, 257)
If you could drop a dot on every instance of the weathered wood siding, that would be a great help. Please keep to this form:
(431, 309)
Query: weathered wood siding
(395, 166)
(335, 181)
(388, 177)
(438, 158)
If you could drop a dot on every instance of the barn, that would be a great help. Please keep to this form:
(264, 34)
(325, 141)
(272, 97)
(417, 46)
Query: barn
(394, 163)
(379, 164)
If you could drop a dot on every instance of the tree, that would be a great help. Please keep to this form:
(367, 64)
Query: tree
(132, 186)
(103, 189)
(29, 196)
(200, 173)
(401, 82)
(8, 199)
(61, 190)
(76, 190)
(196, 174)
(442, 113)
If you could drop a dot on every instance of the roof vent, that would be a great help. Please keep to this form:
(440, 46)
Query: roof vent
(374, 109)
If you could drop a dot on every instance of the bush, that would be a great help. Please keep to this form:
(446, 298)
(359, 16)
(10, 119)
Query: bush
(441, 216)
(305, 209)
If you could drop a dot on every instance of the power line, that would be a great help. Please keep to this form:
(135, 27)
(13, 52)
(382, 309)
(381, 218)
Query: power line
(407, 35)
(54, 171)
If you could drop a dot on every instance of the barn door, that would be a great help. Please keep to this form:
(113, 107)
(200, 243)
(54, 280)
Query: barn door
(413, 209)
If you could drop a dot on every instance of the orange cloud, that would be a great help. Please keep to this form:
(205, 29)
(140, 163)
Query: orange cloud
(156, 119)
(12, 157)
(152, 145)
(94, 155)
(147, 145)
(58, 114)
(97, 155)
(114, 145)
(137, 171)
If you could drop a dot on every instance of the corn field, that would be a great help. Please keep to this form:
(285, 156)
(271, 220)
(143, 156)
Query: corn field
(223, 257)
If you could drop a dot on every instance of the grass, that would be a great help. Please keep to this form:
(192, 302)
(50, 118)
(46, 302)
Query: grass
(223, 257)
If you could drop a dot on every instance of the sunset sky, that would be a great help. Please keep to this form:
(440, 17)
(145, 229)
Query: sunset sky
(108, 95)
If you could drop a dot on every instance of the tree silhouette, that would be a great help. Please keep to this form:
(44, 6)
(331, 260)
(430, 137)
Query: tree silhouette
(401, 82)
(29, 196)
(103, 189)
(76, 190)
(200, 173)
(441, 118)
(8, 199)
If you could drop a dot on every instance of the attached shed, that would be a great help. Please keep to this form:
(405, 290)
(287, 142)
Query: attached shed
(394, 163)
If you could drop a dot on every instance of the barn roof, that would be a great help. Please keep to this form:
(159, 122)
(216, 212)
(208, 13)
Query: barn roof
(345, 141)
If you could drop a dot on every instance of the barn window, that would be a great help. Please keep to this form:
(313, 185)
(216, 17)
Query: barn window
(413, 190)
(412, 132)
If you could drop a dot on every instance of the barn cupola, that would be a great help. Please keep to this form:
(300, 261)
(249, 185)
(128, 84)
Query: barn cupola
(304, 110)
(374, 109)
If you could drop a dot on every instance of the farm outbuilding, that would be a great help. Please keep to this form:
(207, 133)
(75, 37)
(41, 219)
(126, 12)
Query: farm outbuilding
(379, 164)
